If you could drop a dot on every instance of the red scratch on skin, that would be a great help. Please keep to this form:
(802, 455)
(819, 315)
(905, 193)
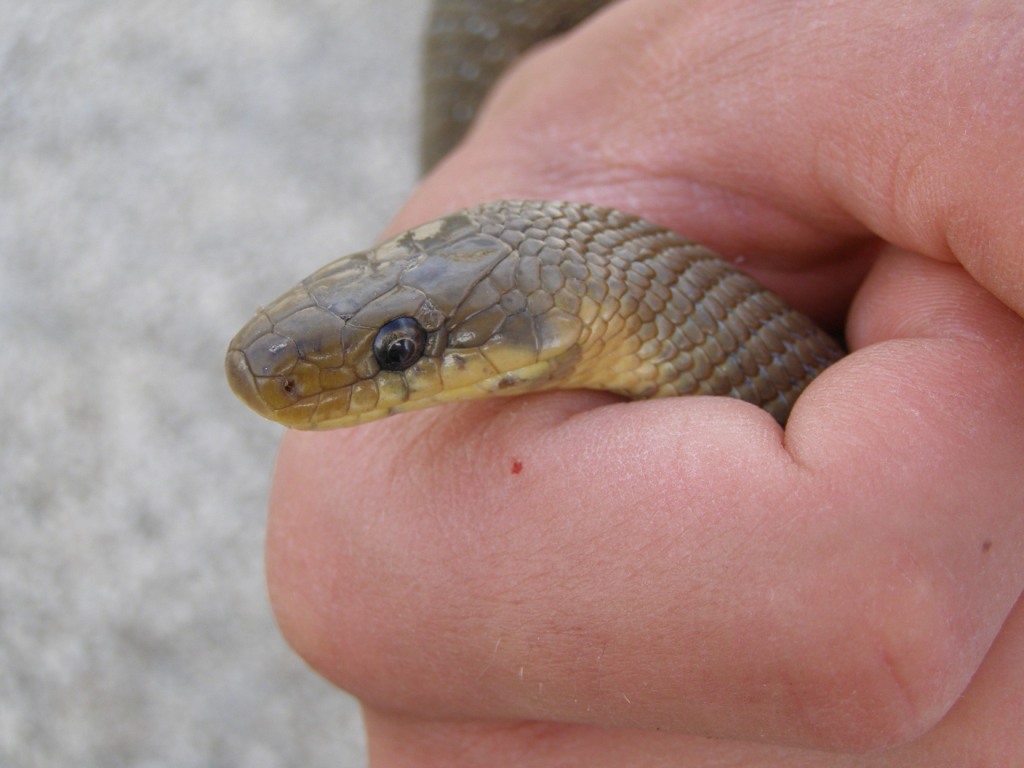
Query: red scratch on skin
(517, 467)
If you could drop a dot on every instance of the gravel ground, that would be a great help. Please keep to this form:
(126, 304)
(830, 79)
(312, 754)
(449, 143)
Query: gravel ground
(164, 168)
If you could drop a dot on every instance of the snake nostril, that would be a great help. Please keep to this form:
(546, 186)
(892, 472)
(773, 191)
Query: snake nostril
(289, 386)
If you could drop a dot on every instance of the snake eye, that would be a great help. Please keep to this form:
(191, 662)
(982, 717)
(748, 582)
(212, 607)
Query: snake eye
(399, 344)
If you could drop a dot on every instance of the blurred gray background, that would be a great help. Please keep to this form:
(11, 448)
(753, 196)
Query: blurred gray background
(165, 167)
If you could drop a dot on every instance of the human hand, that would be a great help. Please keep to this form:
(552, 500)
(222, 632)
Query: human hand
(565, 579)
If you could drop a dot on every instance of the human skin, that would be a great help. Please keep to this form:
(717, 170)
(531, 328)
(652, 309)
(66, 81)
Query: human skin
(567, 579)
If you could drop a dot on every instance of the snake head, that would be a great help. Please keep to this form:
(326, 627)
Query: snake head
(447, 311)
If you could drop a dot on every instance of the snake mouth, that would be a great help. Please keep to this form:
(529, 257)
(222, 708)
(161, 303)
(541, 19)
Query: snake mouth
(329, 412)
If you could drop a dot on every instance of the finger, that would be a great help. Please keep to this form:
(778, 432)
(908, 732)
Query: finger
(782, 133)
(671, 564)
(982, 729)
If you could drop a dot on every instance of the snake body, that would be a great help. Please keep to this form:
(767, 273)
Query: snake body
(517, 296)
(468, 45)
(521, 296)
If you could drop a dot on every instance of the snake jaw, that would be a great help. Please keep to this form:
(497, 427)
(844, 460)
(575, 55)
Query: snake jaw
(534, 378)
(457, 374)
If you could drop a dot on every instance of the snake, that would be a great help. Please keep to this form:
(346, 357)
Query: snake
(516, 296)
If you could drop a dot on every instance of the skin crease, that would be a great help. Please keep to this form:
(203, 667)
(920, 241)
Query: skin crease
(564, 579)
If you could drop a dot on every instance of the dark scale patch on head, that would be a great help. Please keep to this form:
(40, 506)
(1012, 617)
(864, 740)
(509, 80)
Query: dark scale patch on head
(350, 284)
(450, 270)
(508, 380)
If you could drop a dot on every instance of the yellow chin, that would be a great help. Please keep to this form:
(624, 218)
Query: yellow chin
(532, 378)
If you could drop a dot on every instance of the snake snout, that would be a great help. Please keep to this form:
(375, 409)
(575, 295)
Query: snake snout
(242, 382)
(278, 362)
(261, 367)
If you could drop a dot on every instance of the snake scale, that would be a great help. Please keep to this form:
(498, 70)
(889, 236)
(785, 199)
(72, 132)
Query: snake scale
(516, 296)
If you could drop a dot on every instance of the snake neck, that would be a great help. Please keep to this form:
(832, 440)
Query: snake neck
(671, 316)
